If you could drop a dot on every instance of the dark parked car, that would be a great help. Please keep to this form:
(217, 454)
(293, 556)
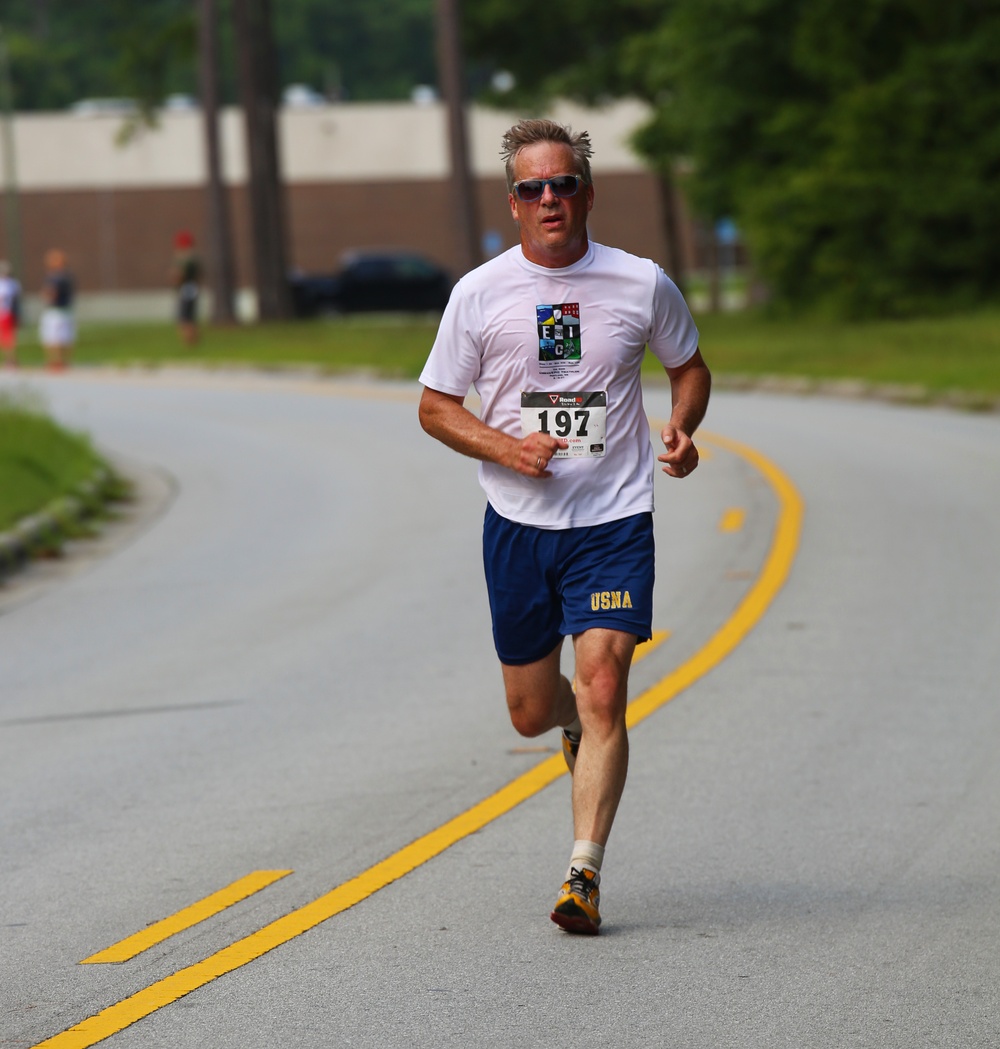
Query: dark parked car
(373, 282)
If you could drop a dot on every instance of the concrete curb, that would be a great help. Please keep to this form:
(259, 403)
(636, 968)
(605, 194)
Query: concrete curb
(49, 528)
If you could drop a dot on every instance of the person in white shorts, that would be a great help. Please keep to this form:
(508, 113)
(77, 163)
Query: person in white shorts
(57, 327)
(552, 335)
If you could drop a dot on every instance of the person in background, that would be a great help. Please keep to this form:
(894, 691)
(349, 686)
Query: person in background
(10, 312)
(57, 329)
(186, 275)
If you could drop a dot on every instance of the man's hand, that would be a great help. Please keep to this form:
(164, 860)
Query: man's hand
(690, 385)
(444, 416)
(681, 456)
(534, 452)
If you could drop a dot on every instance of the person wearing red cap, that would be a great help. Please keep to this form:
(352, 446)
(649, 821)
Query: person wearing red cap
(187, 281)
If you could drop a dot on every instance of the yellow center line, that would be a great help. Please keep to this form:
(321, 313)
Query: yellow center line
(775, 571)
(732, 520)
(197, 912)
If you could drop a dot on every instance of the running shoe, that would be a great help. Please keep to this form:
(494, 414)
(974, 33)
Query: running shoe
(570, 746)
(576, 910)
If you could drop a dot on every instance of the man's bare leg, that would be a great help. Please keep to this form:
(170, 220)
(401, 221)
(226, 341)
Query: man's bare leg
(603, 660)
(539, 696)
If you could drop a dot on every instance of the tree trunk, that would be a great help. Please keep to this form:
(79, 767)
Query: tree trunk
(670, 207)
(450, 77)
(219, 238)
(257, 63)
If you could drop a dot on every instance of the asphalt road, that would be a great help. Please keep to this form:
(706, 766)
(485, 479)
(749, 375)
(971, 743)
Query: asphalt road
(280, 661)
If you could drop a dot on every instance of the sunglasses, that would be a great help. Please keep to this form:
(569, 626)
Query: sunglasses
(531, 189)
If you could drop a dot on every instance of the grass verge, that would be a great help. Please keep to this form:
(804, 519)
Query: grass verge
(42, 463)
(939, 353)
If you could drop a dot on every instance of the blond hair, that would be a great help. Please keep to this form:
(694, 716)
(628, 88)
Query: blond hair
(528, 132)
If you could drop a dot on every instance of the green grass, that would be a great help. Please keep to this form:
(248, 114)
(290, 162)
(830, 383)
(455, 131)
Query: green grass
(939, 353)
(391, 346)
(39, 461)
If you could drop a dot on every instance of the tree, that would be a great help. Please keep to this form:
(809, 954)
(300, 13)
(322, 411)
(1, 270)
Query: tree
(450, 71)
(219, 237)
(259, 90)
(855, 145)
(359, 50)
(63, 50)
(590, 58)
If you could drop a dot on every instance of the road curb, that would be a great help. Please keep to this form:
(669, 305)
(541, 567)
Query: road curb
(46, 531)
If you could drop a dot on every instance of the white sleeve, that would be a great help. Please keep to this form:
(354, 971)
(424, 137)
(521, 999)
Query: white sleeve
(673, 337)
(456, 356)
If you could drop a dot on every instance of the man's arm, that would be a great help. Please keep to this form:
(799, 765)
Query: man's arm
(445, 417)
(690, 386)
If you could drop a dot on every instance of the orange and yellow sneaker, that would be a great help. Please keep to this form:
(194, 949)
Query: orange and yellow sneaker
(570, 747)
(577, 909)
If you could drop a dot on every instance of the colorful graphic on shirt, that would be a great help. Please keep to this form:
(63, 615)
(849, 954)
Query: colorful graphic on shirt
(559, 332)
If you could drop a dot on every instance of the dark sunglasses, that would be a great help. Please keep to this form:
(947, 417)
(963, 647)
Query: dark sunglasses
(531, 189)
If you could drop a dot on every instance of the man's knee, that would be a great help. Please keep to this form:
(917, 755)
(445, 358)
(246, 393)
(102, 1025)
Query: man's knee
(602, 693)
(535, 695)
(535, 710)
(529, 718)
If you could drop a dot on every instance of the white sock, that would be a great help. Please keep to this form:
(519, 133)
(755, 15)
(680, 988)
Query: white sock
(586, 854)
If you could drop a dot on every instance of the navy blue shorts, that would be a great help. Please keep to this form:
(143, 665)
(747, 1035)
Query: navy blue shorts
(545, 584)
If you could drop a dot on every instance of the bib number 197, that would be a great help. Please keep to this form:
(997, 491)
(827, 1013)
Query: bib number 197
(578, 418)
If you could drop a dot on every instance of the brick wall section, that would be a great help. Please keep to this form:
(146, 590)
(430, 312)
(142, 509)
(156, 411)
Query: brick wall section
(121, 239)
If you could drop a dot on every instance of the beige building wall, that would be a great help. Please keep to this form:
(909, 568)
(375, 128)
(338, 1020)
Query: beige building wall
(357, 175)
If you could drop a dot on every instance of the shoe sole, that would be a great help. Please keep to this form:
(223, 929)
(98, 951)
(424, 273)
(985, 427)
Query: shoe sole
(578, 923)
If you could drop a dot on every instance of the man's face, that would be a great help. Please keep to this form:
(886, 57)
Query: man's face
(553, 229)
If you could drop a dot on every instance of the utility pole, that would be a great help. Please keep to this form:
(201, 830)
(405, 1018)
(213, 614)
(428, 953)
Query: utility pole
(258, 77)
(220, 247)
(12, 211)
(451, 80)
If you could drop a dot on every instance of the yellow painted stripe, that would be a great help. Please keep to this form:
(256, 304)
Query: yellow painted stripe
(773, 575)
(197, 912)
(732, 520)
(775, 570)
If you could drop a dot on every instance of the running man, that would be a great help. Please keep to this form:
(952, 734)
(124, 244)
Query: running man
(552, 335)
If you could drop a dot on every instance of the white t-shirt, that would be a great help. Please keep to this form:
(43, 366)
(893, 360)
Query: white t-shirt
(512, 328)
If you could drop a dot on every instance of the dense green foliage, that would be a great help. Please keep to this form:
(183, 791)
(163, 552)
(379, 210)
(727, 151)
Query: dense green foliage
(587, 56)
(39, 460)
(62, 51)
(856, 145)
(357, 49)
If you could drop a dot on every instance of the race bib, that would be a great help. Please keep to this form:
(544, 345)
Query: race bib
(579, 418)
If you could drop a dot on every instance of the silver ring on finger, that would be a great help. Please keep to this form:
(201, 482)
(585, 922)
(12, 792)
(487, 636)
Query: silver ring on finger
(538, 463)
